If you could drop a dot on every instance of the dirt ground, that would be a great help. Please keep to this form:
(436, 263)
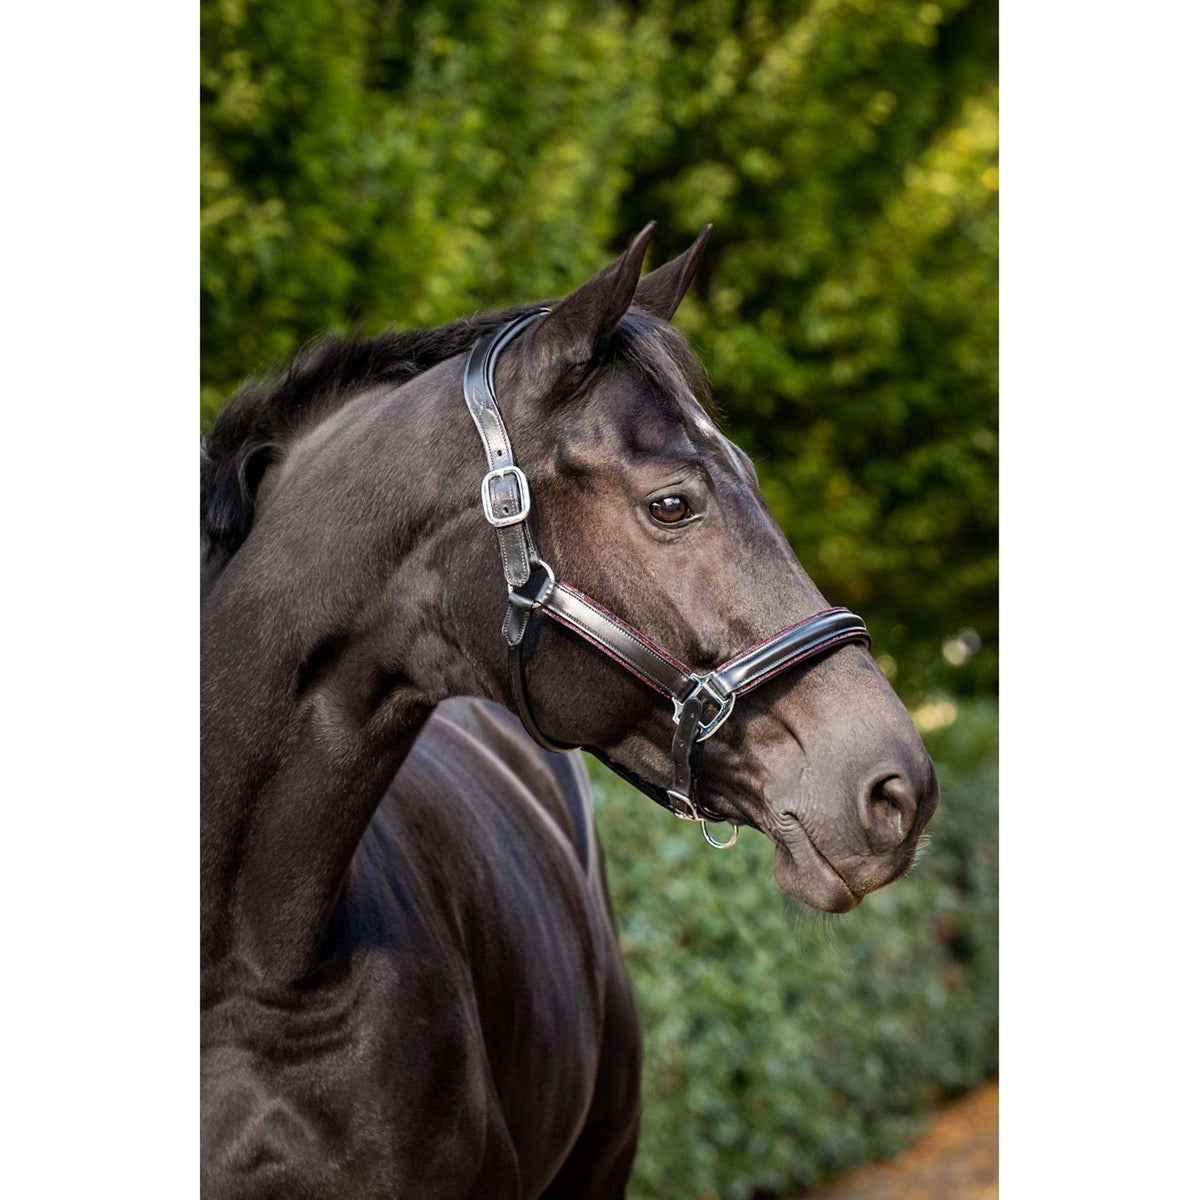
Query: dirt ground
(957, 1158)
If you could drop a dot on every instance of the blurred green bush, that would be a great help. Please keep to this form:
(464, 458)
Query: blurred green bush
(783, 1047)
(374, 162)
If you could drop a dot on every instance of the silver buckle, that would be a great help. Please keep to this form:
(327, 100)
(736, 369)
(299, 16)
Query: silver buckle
(723, 700)
(522, 496)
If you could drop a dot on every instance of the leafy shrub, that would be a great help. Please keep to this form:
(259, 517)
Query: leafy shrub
(781, 1046)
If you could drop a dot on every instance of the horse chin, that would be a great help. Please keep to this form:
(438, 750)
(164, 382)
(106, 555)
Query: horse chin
(804, 873)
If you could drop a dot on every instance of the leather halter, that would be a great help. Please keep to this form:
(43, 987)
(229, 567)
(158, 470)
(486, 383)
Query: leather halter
(702, 701)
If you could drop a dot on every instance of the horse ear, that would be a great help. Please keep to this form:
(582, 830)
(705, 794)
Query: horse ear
(663, 290)
(578, 326)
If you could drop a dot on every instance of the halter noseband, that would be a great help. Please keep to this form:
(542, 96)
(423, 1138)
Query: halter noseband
(702, 702)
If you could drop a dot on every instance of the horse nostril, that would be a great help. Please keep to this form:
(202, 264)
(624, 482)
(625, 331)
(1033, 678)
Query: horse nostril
(888, 809)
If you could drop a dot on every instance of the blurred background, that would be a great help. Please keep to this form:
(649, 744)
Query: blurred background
(374, 162)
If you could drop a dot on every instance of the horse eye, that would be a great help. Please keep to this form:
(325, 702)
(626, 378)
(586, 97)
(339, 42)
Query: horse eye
(670, 510)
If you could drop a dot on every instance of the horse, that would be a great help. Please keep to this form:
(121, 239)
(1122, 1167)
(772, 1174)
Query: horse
(411, 981)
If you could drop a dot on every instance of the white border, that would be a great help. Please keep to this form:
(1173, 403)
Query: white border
(1099, 798)
(100, 665)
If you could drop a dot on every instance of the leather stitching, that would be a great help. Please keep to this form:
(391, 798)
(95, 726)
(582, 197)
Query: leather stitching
(628, 630)
(824, 612)
(596, 640)
(632, 637)
(808, 652)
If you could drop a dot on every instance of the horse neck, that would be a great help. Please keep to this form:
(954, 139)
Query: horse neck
(326, 642)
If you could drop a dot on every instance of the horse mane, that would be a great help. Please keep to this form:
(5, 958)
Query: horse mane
(269, 411)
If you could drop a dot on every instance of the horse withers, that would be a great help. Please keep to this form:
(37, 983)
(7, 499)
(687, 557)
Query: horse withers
(410, 978)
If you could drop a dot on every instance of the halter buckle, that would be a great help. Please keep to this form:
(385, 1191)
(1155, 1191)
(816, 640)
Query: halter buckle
(708, 687)
(485, 491)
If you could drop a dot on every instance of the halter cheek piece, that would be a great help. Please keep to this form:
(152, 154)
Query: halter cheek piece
(702, 702)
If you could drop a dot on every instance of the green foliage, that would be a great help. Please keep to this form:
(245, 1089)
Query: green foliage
(377, 162)
(783, 1047)
(367, 164)
(847, 151)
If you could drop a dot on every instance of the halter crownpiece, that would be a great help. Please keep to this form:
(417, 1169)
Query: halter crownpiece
(702, 701)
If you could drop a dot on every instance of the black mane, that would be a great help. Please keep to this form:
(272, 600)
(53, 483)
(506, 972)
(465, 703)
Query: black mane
(268, 412)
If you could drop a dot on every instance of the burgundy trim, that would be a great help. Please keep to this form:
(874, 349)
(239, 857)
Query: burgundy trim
(851, 635)
(584, 598)
(737, 658)
(579, 631)
(801, 656)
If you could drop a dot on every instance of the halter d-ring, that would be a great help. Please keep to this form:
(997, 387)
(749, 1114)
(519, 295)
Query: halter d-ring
(686, 811)
(708, 837)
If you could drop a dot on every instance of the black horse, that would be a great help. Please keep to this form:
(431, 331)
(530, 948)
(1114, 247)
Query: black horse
(410, 975)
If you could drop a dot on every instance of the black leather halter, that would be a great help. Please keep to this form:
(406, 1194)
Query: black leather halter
(702, 701)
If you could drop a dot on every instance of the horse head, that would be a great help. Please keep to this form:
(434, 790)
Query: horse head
(656, 520)
(352, 582)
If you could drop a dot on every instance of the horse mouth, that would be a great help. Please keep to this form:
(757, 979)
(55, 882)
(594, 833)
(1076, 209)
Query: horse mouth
(803, 872)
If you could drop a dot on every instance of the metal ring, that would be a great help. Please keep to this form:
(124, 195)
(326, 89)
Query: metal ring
(713, 841)
(517, 600)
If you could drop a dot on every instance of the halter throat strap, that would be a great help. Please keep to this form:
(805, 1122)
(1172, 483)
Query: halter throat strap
(702, 701)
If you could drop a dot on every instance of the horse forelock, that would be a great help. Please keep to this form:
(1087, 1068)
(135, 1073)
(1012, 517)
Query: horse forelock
(665, 358)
